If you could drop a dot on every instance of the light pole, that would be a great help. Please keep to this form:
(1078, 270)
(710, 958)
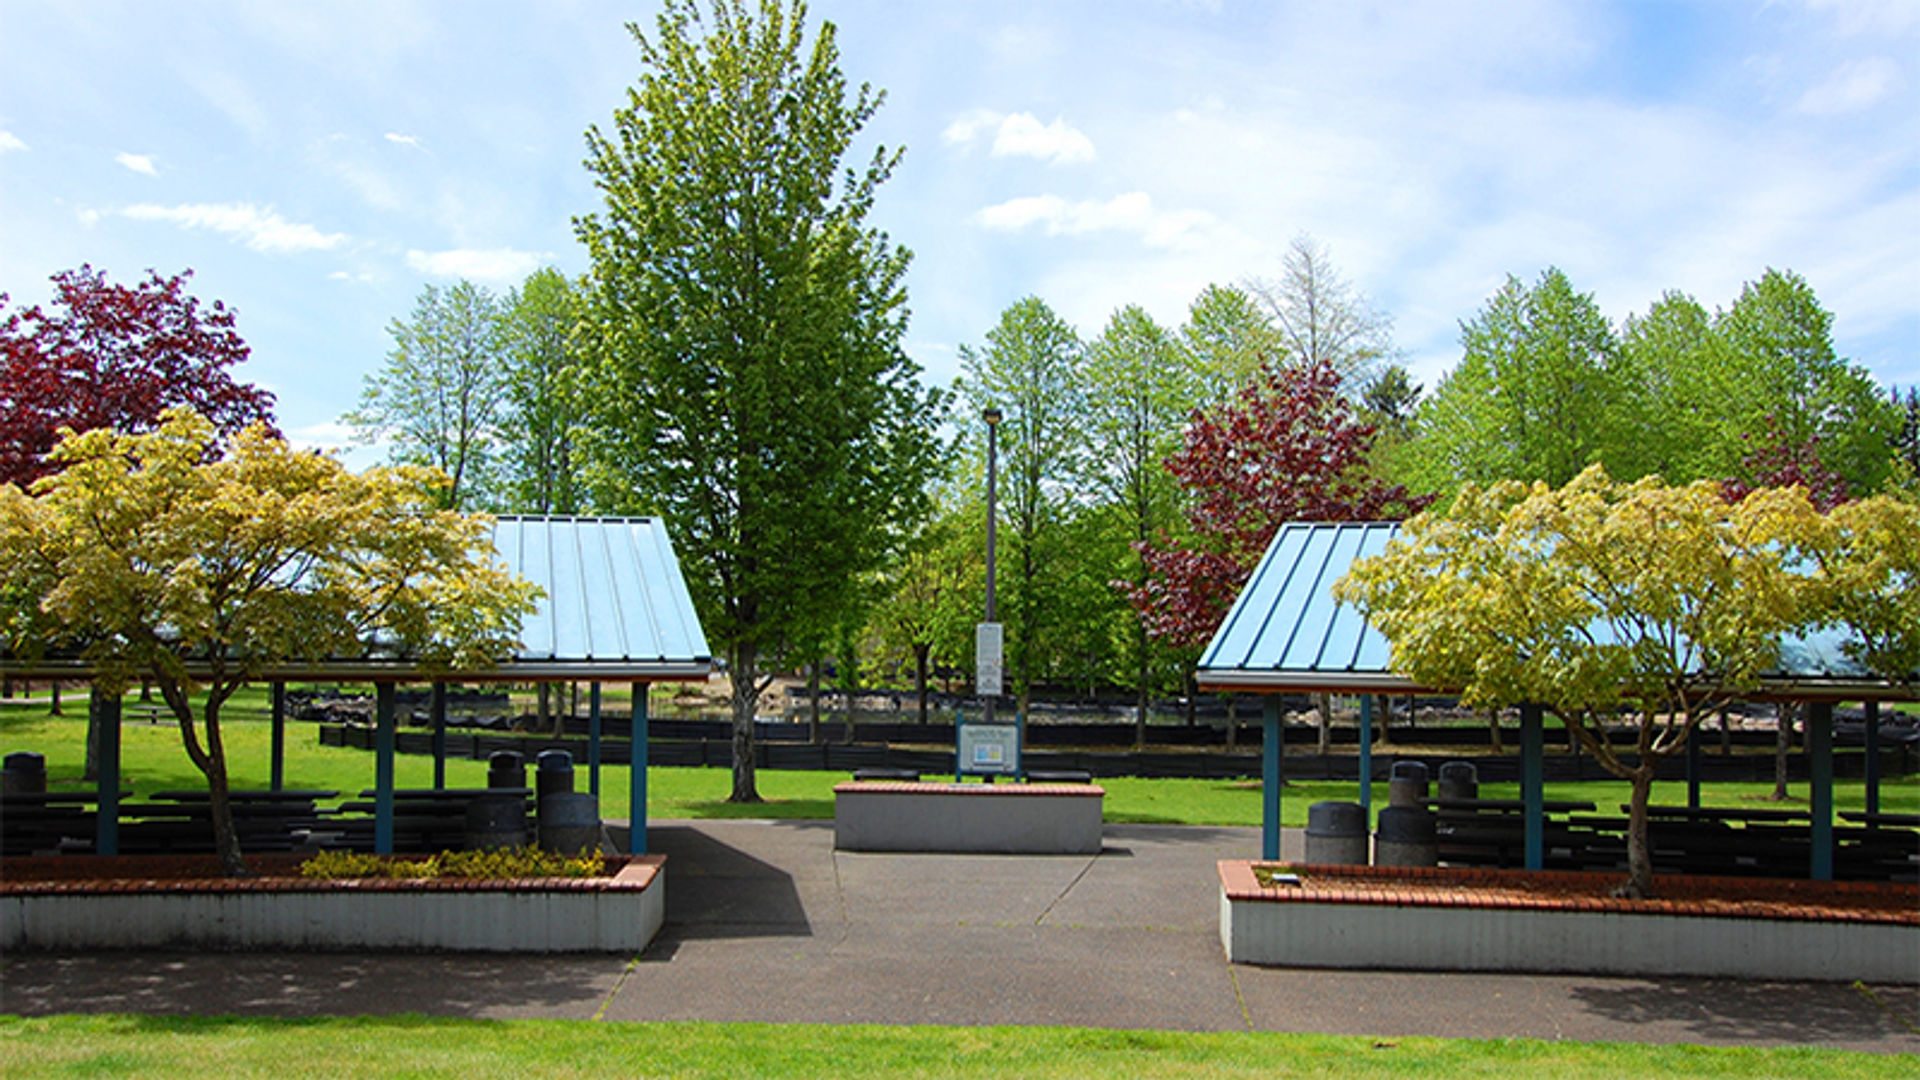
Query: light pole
(992, 417)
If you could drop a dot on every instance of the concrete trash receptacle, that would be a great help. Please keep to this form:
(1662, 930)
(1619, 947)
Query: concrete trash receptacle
(1406, 838)
(570, 823)
(506, 769)
(1459, 780)
(1337, 834)
(554, 774)
(497, 822)
(25, 774)
(1408, 785)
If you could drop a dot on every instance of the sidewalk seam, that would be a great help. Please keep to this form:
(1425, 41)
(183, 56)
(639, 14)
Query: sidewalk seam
(601, 1013)
(1055, 902)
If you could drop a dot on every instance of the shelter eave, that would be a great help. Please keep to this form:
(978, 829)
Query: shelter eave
(1306, 682)
(608, 670)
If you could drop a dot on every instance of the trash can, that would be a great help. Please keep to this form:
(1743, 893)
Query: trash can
(1337, 833)
(1459, 780)
(570, 823)
(554, 774)
(25, 773)
(1406, 838)
(497, 822)
(506, 769)
(1408, 784)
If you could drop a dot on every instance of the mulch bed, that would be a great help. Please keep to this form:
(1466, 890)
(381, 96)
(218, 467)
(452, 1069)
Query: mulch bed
(271, 872)
(1726, 897)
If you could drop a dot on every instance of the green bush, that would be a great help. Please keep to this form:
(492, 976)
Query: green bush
(488, 865)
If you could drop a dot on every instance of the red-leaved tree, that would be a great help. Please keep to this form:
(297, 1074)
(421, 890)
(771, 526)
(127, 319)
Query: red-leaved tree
(115, 356)
(1777, 461)
(1287, 447)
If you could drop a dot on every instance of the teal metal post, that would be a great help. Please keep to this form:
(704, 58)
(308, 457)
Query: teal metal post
(637, 770)
(277, 770)
(1532, 785)
(106, 822)
(1271, 750)
(383, 768)
(1873, 757)
(593, 738)
(1366, 756)
(437, 711)
(1820, 786)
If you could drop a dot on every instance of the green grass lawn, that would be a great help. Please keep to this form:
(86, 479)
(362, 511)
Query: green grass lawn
(333, 1049)
(153, 760)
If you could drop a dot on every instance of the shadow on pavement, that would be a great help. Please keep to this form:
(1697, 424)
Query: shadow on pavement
(1731, 1011)
(718, 891)
(310, 984)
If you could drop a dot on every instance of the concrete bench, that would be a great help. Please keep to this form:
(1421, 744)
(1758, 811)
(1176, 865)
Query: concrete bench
(1024, 819)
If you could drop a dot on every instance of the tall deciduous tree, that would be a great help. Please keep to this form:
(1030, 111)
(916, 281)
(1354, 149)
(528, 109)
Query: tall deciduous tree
(750, 383)
(1533, 398)
(542, 344)
(1140, 388)
(1029, 369)
(1228, 337)
(115, 356)
(1594, 599)
(1288, 448)
(437, 400)
(1322, 318)
(155, 561)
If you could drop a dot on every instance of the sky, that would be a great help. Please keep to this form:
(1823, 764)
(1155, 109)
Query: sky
(317, 164)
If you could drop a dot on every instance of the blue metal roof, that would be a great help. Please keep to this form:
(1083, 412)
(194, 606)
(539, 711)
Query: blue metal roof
(1286, 632)
(615, 599)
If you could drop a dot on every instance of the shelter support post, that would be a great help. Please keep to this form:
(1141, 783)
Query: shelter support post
(593, 739)
(1820, 787)
(437, 710)
(106, 823)
(1272, 746)
(637, 772)
(1693, 769)
(1366, 756)
(383, 768)
(1873, 757)
(277, 769)
(1532, 784)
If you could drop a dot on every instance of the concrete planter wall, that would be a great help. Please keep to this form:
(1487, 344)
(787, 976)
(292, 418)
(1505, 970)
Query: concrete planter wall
(1446, 930)
(1021, 819)
(617, 914)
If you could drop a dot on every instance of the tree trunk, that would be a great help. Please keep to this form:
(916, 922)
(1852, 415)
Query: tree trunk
(226, 838)
(1493, 731)
(54, 708)
(543, 713)
(1726, 736)
(1639, 884)
(1233, 721)
(1782, 743)
(1142, 701)
(1323, 704)
(920, 651)
(146, 691)
(743, 670)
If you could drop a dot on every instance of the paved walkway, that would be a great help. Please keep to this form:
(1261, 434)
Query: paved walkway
(765, 921)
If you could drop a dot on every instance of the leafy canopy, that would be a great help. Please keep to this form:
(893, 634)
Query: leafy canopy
(115, 356)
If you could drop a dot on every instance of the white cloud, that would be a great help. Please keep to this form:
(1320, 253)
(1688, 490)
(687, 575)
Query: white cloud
(328, 435)
(404, 140)
(1133, 212)
(497, 264)
(9, 141)
(1871, 16)
(261, 228)
(1021, 135)
(1854, 85)
(140, 163)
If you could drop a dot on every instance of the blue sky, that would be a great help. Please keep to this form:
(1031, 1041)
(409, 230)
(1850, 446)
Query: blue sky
(316, 164)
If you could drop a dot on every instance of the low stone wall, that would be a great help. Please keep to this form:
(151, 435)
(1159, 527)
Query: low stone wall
(1845, 932)
(1019, 819)
(619, 914)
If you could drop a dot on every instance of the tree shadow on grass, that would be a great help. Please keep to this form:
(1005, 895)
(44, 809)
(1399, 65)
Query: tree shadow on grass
(1726, 1010)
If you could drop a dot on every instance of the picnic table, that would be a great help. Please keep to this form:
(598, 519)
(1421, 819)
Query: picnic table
(1720, 813)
